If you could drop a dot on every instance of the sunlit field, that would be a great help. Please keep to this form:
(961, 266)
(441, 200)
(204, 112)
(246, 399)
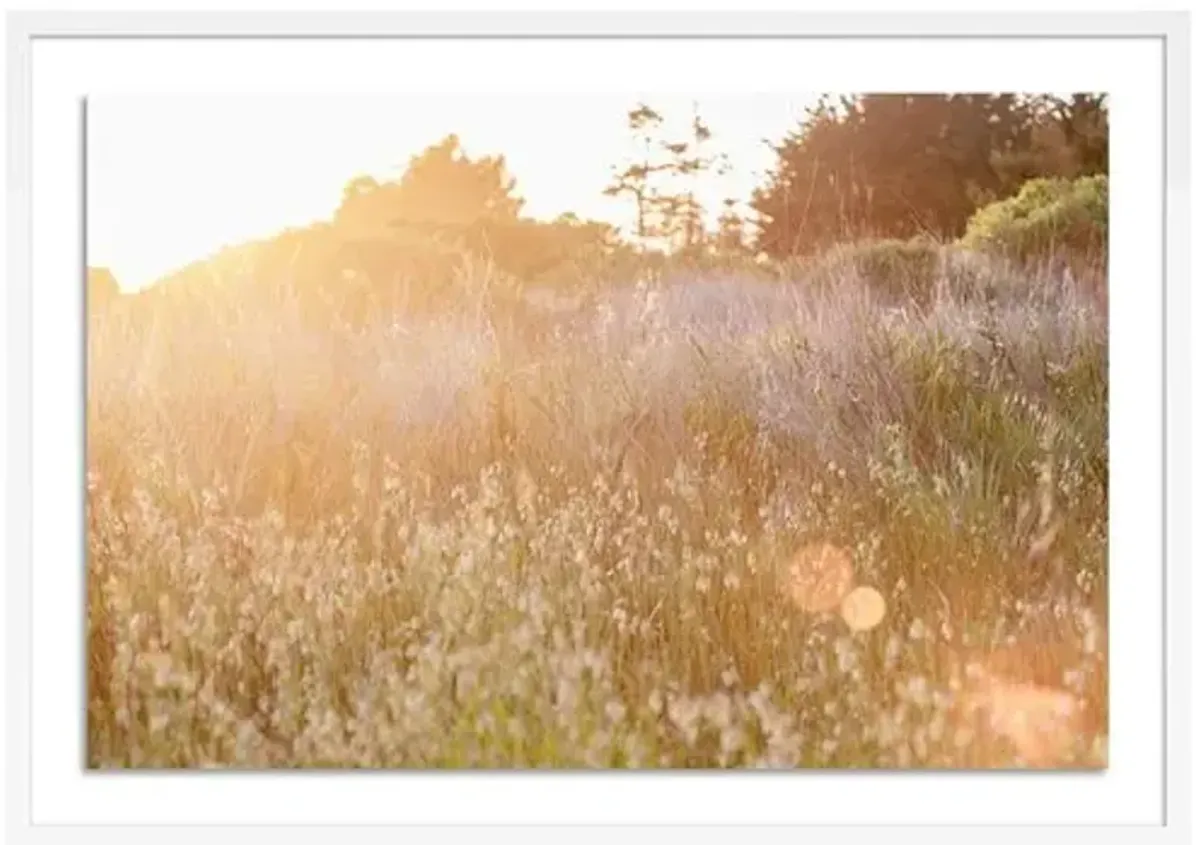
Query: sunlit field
(741, 516)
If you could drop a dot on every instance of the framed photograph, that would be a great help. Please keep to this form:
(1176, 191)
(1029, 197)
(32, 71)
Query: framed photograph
(557, 420)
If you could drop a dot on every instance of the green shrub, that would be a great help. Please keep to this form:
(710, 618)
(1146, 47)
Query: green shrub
(1047, 217)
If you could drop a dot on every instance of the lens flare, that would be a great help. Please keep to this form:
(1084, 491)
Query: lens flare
(863, 608)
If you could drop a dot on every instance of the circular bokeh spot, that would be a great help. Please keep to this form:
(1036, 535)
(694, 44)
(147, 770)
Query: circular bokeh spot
(863, 608)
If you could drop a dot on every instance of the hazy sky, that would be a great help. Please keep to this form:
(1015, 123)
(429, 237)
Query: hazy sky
(172, 179)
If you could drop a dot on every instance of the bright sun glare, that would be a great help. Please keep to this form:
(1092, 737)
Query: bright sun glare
(171, 180)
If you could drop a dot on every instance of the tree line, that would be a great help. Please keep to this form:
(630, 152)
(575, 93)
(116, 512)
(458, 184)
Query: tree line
(901, 166)
(857, 166)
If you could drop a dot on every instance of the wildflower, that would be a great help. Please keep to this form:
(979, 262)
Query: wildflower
(819, 577)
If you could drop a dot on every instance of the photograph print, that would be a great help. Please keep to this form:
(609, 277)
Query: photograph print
(597, 432)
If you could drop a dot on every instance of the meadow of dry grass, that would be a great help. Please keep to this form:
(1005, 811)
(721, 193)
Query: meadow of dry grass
(623, 538)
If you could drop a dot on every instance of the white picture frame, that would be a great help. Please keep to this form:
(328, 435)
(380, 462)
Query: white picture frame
(47, 801)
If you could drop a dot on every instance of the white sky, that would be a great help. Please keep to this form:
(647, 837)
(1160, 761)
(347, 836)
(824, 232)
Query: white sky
(173, 179)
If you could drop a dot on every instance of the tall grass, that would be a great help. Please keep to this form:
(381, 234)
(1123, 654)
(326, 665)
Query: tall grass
(463, 542)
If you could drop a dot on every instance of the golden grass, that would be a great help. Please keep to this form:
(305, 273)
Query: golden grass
(320, 577)
(819, 577)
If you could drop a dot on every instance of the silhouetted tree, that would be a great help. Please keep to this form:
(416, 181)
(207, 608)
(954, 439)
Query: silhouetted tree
(406, 240)
(690, 162)
(662, 181)
(1071, 135)
(637, 178)
(731, 229)
(441, 188)
(896, 166)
